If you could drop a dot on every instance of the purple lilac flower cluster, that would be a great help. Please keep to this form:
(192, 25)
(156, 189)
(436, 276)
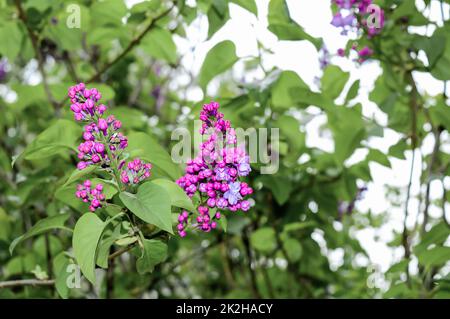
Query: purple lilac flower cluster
(135, 171)
(214, 174)
(92, 195)
(353, 16)
(103, 144)
(84, 102)
(96, 134)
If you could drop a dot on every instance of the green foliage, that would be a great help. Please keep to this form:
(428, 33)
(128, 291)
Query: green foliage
(303, 216)
(219, 59)
(86, 236)
(154, 252)
(151, 204)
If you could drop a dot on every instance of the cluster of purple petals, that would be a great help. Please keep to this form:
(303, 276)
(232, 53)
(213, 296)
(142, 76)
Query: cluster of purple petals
(203, 221)
(92, 195)
(352, 16)
(103, 142)
(84, 103)
(93, 150)
(134, 171)
(215, 173)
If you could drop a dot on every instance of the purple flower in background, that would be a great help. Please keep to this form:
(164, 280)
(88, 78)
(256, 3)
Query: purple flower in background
(3, 69)
(158, 96)
(324, 57)
(340, 21)
(347, 207)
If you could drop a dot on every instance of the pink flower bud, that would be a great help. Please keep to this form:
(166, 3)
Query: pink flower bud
(102, 124)
(81, 165)
(99, 147)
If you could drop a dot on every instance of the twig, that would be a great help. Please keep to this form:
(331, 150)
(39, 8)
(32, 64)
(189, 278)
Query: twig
(444, 200)
(26, 282)
(130, 46)
(434, 156)
(138, 88)
(35, 43)
(248, 251)
(405, 239)
(121, 251)
(110, 278)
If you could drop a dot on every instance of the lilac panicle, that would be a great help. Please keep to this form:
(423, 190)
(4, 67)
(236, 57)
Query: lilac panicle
(353, 16)
(215, 174)
(103, 144)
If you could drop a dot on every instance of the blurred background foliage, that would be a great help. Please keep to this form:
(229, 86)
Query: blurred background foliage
(281, 247)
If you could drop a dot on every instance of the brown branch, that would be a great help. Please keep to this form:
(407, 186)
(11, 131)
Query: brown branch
(35, 43)
(248, 251)
(444, 200)
(405, 236)
(121, 251)
(130, 46)
(26, 282)
(434, 156)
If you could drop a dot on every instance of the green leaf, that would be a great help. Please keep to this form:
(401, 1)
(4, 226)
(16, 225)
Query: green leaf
(249, 5)
(263, 239)
(60, 264)
(436, 256)
(333, 81)
(177, 195)
(104, 247)
(348, 130)
(287, 81)
(308, 97)
(60, 136)
(223, 222)
(440, 113)
(10, 39)
(42, 226)
(218, 15)
(281, 24)
(219, 59)
(108, 12)
(107, 92)
(86, 236)
(433, 46)
(280, 186)
(437, 235)
(398, 150)
(159, 44)
(290, 129)
(146, 147)
(151, 204)
(441, 68)
(78, 174)
(293, 249)
(379, 157)
(154, 252)
(352, 92)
